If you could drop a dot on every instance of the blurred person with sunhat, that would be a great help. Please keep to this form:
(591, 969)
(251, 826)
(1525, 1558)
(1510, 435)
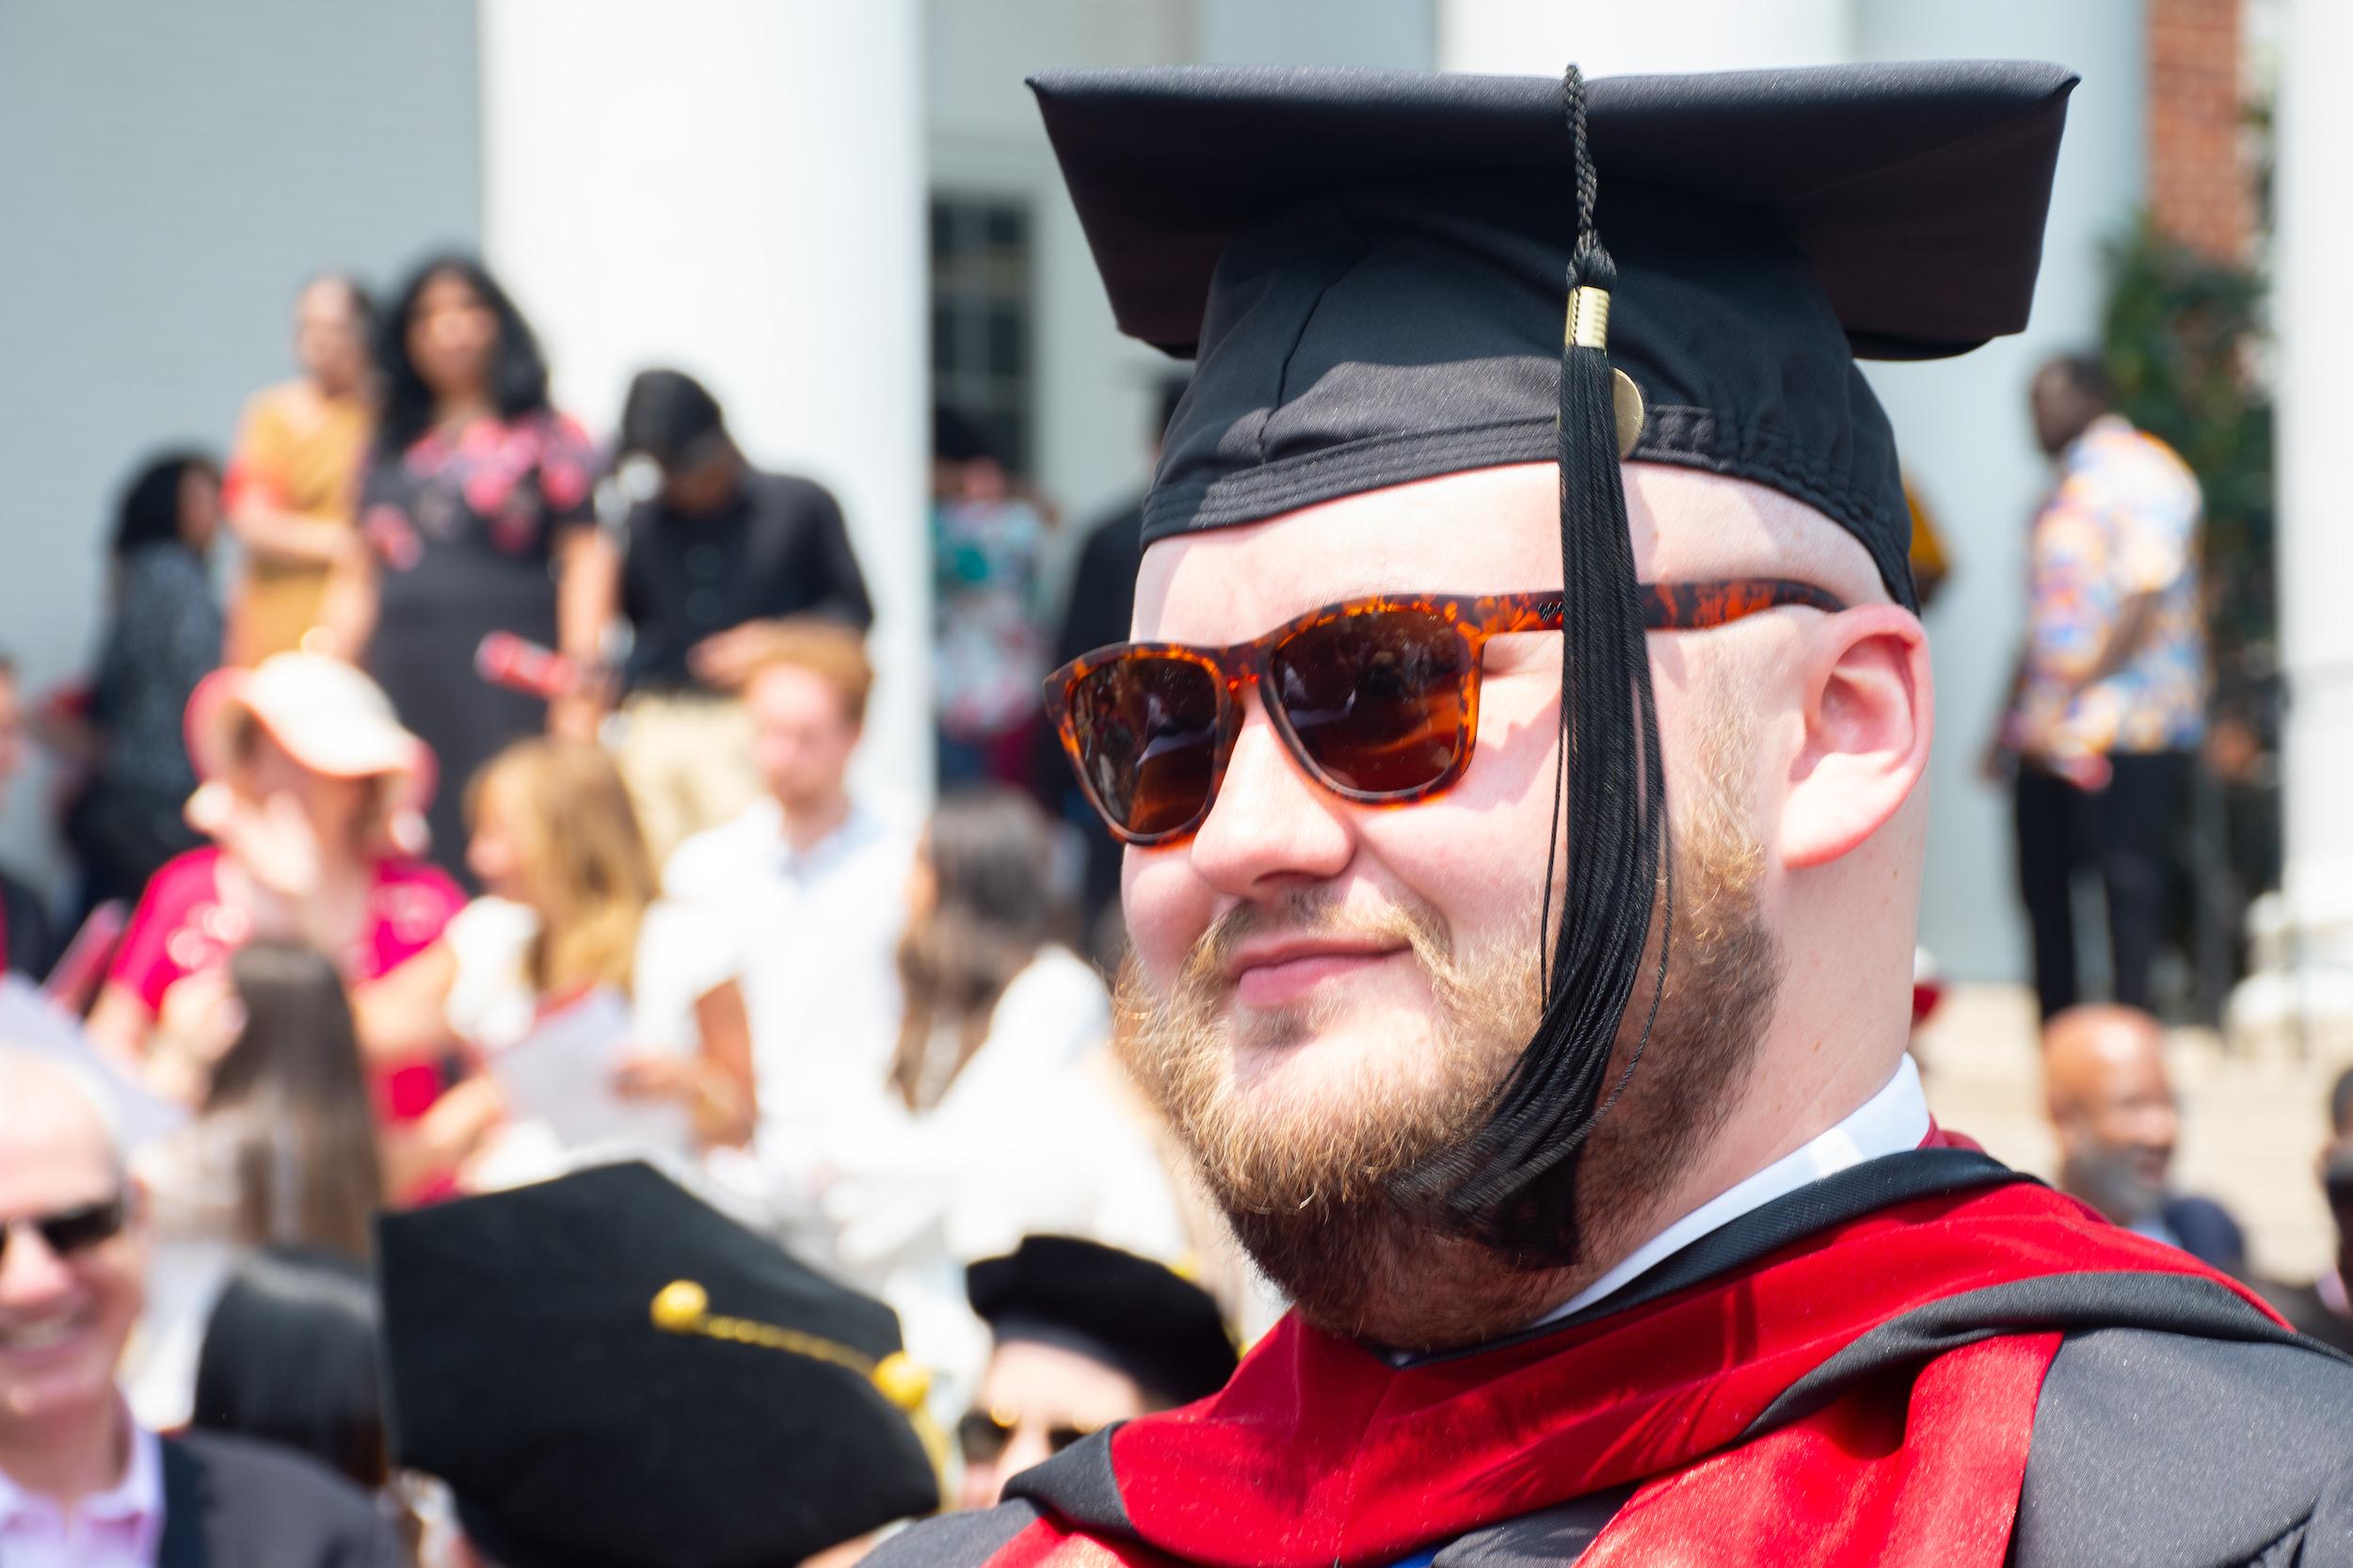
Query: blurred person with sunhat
(312, 797)
(603, 1369)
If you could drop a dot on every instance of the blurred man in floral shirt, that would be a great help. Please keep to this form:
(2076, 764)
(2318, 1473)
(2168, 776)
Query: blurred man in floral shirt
(2108, 705)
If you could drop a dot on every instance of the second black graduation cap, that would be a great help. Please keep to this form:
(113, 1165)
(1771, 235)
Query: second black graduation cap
(608, 1372)
(1126, 1312)
(1369, 265)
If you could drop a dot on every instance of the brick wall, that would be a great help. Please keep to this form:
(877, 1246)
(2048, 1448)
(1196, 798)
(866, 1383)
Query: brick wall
(2201, 185)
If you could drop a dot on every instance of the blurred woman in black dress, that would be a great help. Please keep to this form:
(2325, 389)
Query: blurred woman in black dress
(478, 513)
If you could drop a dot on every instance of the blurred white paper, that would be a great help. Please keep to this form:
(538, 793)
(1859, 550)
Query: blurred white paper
(30, 1022)
(559, 1078)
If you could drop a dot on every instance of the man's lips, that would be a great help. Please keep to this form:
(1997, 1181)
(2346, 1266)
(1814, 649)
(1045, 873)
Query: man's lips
(47, 1334)
(1274, 972)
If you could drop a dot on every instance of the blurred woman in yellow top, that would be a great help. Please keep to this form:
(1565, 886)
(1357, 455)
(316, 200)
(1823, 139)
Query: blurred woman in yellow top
(292, 483)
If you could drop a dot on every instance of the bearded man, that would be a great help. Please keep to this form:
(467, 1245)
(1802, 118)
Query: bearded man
(1524, 852)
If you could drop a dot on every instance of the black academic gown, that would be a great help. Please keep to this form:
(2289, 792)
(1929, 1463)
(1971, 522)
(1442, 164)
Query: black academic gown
(232, 1503)
(2176, 1427)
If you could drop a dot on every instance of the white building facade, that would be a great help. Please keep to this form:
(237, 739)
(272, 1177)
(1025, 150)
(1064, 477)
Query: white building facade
(820, 208)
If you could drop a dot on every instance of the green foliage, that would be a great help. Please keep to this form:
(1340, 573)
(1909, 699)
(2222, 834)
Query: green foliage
(2183, 337)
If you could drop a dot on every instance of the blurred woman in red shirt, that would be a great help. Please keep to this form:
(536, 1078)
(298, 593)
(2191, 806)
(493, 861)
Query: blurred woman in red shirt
(312, 797)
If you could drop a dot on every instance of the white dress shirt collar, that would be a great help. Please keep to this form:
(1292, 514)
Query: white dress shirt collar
(857, 827)
(1890, 1121)
(123, 1525)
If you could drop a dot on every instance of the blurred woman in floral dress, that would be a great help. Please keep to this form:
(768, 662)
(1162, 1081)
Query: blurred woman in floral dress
(478, 513)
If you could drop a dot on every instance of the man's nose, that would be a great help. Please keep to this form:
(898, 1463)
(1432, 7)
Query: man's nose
(1027, 1446)
(31, 1273)
(1271, 822)
(984, 1485)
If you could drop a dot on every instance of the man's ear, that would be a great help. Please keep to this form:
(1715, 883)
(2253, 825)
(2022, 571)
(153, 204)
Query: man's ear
(1869, 711)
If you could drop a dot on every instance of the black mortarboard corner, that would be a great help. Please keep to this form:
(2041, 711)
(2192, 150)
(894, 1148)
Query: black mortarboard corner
(1124, 1311)
(1374, 270)
(609, 1374)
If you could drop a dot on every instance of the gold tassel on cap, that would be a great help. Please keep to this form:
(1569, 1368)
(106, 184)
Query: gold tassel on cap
(1589, 317)
(1589, 327)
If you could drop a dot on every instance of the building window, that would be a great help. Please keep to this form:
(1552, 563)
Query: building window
(982, 318)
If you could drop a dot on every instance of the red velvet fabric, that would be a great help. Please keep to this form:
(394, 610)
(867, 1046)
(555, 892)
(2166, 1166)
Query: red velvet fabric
(1319, 1454)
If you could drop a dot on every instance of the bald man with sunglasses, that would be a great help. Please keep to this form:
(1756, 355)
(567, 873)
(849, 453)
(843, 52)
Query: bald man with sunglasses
(1519, 760)
(81, 1483)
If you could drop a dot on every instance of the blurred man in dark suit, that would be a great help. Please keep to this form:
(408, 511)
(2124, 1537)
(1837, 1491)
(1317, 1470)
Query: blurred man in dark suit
(2113, 1110)
(81, 1482)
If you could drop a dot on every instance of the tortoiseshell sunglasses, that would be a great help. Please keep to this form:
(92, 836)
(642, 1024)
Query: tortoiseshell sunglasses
(1376, 698)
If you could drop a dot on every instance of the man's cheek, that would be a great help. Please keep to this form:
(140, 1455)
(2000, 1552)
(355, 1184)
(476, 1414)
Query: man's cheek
(1478, 864)
(1167, 911)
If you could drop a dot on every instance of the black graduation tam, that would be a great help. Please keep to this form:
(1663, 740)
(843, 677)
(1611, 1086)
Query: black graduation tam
(1124, 1311)
(607, 1371)
(1368, 264)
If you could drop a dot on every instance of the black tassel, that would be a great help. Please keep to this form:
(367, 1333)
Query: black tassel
(1513, 1184)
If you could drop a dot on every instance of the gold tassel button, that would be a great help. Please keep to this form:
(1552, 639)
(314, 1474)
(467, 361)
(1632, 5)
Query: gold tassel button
(1625, 400)
(900, 1380)
(1588, 327)
(680, 1306)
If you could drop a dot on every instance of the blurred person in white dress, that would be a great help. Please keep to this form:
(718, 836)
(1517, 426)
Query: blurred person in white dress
(1006, 1115)
(573, 910)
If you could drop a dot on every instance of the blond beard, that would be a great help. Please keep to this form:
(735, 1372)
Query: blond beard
(1312, 1193)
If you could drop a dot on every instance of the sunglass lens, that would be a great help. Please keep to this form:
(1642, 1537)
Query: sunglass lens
(1147, 731)
(1375, 699)
(982, 1437)
(79, 1229)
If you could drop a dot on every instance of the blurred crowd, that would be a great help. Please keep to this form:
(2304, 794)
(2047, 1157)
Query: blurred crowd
(487, 829)
(482, 813)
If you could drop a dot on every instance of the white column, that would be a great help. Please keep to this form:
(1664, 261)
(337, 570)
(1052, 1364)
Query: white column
(2314, 314)
(1608, 38)
(736, 188)
(1387, 33)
